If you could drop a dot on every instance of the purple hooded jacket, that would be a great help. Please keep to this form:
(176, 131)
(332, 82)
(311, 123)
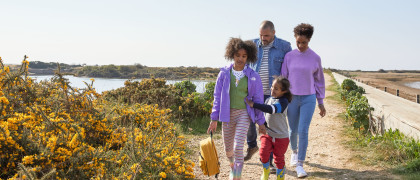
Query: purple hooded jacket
(221, 103)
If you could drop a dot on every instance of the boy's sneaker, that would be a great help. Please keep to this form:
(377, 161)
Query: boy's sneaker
(300, 172)
(250, 152)
(293, 159)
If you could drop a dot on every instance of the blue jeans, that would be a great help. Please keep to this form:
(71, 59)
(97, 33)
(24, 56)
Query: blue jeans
(299, 114)
(251, 137)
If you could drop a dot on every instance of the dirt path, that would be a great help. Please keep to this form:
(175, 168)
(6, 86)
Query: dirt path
(327, 156)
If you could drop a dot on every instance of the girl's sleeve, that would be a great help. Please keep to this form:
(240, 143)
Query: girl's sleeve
(217, 93)
(277, 107)
(319, 83)
(284, 68)
(265, 108)
(258, 97)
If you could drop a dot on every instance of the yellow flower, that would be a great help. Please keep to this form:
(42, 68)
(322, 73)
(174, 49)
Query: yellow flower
(162, 174)
(28, 160)
(133, 167)
(73, 143)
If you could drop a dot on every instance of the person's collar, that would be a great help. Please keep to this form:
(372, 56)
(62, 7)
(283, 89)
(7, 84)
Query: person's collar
(247, 70)
(304, 52)
(243, 70)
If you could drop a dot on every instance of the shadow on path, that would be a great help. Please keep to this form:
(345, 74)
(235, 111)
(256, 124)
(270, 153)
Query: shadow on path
(336, 173)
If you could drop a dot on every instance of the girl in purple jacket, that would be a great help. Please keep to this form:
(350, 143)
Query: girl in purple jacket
(234, 84)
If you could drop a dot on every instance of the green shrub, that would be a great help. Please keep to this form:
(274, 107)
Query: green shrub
(358, 111)
(358, 107)
(349, 86)
(185, 87)
(208, 94)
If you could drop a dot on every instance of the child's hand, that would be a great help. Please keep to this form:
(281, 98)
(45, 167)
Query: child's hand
(322, 110)
(249, 102)
(261, 129)
(212, 127)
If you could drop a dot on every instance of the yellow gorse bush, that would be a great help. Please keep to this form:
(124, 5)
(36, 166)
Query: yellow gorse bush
(52, 130)
(185, 105)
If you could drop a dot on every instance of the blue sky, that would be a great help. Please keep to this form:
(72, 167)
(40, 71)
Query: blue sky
(365, 35)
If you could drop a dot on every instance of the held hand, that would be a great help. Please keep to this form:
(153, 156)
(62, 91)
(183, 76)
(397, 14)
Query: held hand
(322, 110)
(261, 129)
(249, 102)
(212, 127)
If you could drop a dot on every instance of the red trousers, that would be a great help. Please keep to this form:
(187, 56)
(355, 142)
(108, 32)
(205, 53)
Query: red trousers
(278, 147)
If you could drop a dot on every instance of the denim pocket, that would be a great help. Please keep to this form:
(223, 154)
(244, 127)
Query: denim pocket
(276, 68)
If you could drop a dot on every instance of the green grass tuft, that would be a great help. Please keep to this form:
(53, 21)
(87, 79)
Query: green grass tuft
(335, 87)
(196, 126)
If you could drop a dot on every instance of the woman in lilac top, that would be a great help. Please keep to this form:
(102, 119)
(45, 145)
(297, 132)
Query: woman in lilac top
(302, 67)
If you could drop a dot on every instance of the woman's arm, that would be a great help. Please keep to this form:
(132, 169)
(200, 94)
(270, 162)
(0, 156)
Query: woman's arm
(319, 82)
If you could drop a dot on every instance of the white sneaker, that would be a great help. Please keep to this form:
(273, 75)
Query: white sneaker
(293, 159)
(300, 172)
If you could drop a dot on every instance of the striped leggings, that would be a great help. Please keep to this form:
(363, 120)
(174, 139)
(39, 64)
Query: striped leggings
(234, 134)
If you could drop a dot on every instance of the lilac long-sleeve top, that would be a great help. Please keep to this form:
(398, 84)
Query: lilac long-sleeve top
(304, 71)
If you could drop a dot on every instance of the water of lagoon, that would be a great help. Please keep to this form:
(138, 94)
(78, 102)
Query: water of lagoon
(413, 84)
(105, 84)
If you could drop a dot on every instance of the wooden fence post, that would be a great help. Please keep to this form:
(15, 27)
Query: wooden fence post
(385, 89)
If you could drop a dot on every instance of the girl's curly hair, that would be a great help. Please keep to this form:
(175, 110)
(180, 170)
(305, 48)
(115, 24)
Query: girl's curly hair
(235, 44)
(304, 30)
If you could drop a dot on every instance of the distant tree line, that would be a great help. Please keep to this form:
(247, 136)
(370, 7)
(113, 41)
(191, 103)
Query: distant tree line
(139, 71)
(380, 71)
(50, 65)
(129, 71)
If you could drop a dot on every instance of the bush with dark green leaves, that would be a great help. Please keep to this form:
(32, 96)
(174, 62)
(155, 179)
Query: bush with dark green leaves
(185, 87)
(349, 86)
